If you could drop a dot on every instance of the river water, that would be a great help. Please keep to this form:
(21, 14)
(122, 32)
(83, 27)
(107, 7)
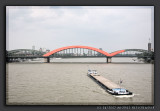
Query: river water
(64, 83)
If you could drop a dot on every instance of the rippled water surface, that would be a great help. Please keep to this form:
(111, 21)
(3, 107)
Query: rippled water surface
(68, 83)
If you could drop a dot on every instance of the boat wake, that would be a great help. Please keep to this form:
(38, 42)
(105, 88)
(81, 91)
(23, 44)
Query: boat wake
(123, 96)
(136, 94)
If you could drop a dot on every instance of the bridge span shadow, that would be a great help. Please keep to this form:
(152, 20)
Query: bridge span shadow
(77, 63)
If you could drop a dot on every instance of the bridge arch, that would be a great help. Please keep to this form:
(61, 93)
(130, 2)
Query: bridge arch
(84, 47)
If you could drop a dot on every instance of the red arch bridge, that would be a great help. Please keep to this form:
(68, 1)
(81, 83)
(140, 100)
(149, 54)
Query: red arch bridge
(75, 52)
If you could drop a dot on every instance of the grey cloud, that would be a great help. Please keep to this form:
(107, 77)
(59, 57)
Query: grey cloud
(111, 28)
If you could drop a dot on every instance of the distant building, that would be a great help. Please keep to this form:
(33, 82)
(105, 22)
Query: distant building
(99, 54)
(33, 47)
(149, 46)
(44, 49)
(47, 50)
(40, 49)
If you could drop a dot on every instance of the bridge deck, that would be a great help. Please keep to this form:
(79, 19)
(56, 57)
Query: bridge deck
(105, 81)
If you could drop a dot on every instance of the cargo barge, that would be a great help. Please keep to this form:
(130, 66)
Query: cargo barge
(108, 85)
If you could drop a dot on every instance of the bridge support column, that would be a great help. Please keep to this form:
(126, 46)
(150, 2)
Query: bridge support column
(47, 60)
(109, 59)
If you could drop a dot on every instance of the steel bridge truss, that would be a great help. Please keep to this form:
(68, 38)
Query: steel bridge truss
(24, 52)
(81, 52)
(77, 52)
(133, 53)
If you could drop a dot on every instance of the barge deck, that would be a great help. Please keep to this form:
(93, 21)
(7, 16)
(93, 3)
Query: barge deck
(108, 85)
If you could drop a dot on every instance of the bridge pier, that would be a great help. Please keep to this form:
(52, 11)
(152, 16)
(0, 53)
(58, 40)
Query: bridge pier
(47, 60)
(109, 59)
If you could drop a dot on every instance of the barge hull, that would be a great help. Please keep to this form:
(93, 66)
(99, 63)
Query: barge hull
(106, 84)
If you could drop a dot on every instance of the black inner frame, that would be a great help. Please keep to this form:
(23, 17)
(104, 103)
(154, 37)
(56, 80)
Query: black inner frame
(5, 3)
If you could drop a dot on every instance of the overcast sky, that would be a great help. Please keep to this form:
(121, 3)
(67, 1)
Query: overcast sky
(110, 28)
